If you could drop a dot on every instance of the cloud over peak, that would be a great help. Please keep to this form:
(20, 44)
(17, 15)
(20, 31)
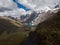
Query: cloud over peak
(11, 8)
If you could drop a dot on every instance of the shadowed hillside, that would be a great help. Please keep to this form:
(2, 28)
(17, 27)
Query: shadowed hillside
(49, 31)
(8, 25)
(46, 33)
(11, 31)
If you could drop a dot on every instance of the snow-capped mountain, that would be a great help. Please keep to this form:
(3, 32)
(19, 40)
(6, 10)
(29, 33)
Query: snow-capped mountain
(37, 17)
(45, 15)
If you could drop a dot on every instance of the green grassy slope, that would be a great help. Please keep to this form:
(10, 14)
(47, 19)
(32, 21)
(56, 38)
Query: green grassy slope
(11, 32)
(49, 31)
(8, 25)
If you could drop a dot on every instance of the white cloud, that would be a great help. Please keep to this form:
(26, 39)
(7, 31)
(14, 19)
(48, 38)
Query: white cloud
(32, 4)
(7, 4)
(27, 4)
(14, 10)
(35, 4)
(42, 3)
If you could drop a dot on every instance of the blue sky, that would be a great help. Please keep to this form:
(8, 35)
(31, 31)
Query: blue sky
(21, 6)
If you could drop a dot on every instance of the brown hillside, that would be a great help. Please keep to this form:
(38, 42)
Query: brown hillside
(8, 25)
(49, 31)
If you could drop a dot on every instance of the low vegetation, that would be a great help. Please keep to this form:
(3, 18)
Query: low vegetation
(11, 32)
